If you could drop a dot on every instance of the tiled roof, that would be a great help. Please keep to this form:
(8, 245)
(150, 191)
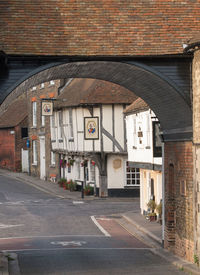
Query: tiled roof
(92, 91)
(137, 106)
(92, 28)
(15, 113)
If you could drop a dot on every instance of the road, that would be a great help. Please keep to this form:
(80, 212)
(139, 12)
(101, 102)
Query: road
(61, 236)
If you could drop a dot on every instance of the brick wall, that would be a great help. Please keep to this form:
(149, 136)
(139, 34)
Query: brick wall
(179, 223)
(92, 27)
(196, 147)
(37, 94)
(7, 149)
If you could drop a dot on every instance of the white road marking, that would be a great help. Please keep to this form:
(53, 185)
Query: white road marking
(78, 202)
(104, 219)
(100, 227)
(2, 226)
(57, 236)
(15, 202)
(69, 243)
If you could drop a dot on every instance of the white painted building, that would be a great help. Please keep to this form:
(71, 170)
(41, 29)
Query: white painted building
(144, 151)
(88, 124)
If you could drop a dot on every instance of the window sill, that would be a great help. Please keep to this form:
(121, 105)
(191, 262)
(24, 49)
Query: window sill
(131, 186)
(34, 164)
(52, 166)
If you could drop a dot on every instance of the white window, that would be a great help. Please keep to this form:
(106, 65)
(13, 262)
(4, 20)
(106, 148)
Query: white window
(148, 130)
(92, 172)
(33, 88)
(43, 121)
(52, 82)
(42, 86)
(132, 175)
(34, 108)
(71, 134)
(53, 158)
(134, 132)
(60, 125)
(34, 152)
(53, 129)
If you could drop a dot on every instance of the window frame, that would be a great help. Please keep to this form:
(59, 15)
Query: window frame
(92, 173)
(51, 82)
(34, 114)
(157, 150)
(34, 150)
(133, 175)
(53, 158)
(70, 124)
(53, 127)
(42, 121)
(60, 125)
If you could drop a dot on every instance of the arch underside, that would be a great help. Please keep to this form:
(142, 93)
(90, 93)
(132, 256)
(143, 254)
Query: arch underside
(172, 110)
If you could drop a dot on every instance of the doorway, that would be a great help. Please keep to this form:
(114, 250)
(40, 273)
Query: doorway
(42, 159)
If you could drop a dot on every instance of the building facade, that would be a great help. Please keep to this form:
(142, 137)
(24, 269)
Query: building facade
(88, 129)
(39, 130)
(145, 151)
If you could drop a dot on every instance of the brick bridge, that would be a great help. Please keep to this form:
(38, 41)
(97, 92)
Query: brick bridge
(136, 44)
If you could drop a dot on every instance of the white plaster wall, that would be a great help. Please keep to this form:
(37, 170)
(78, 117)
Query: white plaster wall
(97, 143)
(145, 178)
(81, 145)
(107, 144)
(119, 124)
(79, 134)
(88, 144)
(107, 125)
(140, 149)
(116, 177)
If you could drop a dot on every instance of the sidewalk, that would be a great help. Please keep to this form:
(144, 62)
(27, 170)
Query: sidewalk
(134, 222)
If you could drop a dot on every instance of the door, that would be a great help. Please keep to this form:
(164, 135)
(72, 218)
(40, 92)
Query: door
(42, 159)
(25, 161)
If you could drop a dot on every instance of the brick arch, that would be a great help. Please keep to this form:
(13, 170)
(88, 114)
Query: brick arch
(162, 96)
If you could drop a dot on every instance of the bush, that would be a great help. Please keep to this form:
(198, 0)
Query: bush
(159, 209)
(152, 205)
(72, 185)
(62, 182)
(89, 190)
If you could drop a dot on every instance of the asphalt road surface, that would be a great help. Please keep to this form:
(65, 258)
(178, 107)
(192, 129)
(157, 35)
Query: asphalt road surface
(61, 236)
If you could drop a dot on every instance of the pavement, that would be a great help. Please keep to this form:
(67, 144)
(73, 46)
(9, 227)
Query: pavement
(133, 222)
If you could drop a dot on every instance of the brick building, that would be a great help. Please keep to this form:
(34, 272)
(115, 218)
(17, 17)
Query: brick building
(39, 128)
(13, 134)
